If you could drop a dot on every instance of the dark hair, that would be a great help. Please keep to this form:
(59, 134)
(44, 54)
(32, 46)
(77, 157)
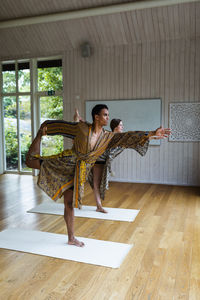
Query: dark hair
(114, 123)
(97, 109)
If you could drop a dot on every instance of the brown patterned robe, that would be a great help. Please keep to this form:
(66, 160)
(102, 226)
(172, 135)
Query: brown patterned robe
(71, 167)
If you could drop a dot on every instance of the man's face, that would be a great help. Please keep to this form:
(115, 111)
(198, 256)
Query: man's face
(103, 117)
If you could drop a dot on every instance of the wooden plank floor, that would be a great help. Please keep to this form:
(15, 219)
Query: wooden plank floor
(163, 264)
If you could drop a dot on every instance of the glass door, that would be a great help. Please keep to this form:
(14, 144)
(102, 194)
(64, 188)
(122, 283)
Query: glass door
(50, 85)
(51, 108)
(10, 132)
(31, 92)
(16, 115)
(24, 129)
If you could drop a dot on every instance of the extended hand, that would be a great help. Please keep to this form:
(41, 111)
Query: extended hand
(162, 133)
(77, 117)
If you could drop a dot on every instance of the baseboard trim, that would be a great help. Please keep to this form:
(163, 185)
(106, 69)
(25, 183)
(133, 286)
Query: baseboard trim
(152, 182)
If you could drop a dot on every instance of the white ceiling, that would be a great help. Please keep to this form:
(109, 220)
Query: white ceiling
(181, 21)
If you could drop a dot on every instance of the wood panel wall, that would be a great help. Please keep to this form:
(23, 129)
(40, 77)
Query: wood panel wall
(179, 21)
(169, 70)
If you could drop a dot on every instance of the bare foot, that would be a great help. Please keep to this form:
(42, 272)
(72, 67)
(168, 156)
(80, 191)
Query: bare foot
(42, 131)
(75, 242)
(101, 209)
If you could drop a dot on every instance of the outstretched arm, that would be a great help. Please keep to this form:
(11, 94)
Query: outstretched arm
(138, 140)
(60, 127)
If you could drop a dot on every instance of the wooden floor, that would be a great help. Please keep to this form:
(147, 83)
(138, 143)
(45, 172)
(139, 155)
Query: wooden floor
(163, 264)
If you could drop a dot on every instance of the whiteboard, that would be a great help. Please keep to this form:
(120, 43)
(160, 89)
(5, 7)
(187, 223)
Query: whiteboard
(139, 114)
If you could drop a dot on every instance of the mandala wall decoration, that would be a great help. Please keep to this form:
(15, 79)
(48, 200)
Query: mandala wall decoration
(185, 122)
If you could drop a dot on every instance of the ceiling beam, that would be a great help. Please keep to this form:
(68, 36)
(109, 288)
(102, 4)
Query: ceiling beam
(90, 12)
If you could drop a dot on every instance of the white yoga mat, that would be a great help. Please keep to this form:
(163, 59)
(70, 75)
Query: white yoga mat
(96, 252)
(116, 214)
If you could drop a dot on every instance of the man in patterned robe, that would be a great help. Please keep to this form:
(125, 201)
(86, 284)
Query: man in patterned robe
(65, 173)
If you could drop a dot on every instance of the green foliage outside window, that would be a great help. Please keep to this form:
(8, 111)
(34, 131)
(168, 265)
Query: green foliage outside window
(24, 80)
(50, 79)
(51, 108)
(9, 104)
(12, 146)
(9, 82)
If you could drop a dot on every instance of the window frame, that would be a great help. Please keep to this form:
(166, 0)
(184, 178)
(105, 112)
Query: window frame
(35, 108)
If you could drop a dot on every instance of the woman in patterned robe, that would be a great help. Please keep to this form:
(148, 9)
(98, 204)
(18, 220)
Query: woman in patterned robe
(98, 177)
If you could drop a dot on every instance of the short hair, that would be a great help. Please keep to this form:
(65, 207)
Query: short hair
(97, 109)
(114, 123)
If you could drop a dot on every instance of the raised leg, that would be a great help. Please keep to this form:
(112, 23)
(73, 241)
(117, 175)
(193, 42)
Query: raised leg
(35, 148)
(97, 176)
(69, 218)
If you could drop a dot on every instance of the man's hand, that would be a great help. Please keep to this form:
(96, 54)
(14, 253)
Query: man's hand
(77, 117)
(161, 133)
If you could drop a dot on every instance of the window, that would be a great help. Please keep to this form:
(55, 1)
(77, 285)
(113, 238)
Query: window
(9, 78)
(10, 132)
(16, 114)
(18, 96)
(51, 107)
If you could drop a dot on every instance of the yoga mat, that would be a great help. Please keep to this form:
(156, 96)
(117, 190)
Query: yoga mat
(96, 252)
(116, 214)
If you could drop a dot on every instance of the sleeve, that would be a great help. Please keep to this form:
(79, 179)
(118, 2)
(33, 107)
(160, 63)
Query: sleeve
(110, 154)
(137, 140)
(64, 128)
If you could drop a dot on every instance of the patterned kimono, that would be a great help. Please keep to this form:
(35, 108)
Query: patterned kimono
(70, 168)
(107, 158)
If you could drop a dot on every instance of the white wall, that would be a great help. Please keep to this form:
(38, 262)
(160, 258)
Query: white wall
(169, 70)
